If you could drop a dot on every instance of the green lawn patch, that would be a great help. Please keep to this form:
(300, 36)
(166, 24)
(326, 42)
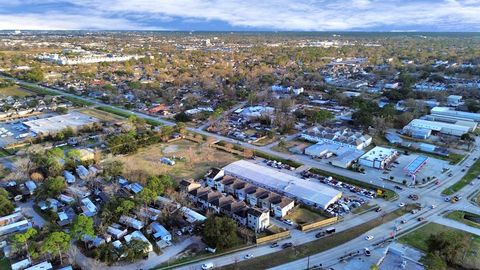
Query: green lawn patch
(472, 173)
(418, 239)
(127, 114)
(5, 264)
(284, 161)
(388, 194)
(364, 208)
(317, 246)
(78, 101)
(303, 215)
(39, 90)
(460, 217)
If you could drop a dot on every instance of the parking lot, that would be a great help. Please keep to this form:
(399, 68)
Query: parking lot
(10, 131)
(433, 168)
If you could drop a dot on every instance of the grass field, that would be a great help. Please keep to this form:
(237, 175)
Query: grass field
(460, 217)
(302, 215)
(417, 239)
(5, 264)
(198, 159)
(472, 173)
(14, 90)
(102, 115)
(127, 114)
(317, 246)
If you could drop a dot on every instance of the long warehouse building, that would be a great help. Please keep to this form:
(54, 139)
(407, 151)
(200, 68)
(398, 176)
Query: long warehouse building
(310, 193)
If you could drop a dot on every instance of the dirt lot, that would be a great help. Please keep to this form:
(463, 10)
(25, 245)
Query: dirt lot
(192, 160)
(303, 215)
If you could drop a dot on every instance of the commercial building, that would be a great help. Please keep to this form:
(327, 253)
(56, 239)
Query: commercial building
(450, 113)
(74, 120)
(454, 100)
(413, 167)
(378, 157)
(420, 127)
(344, 155)
(307, 192)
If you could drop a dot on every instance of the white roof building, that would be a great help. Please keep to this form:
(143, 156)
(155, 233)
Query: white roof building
(310, 193)
(453, 114)
(457, 129)
(378, 157)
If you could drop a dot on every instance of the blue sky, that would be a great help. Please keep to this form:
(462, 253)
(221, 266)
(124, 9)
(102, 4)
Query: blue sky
(242, 15)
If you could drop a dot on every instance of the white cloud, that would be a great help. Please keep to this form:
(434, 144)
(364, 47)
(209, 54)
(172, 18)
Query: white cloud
(271, 14)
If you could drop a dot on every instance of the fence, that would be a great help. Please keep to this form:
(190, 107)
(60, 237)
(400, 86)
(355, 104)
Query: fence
(318, 224)
(273, 237)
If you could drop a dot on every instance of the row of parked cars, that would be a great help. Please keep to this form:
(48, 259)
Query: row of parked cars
(278, 165)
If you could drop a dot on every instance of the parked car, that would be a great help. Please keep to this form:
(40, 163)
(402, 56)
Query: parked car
(288, 222)
(287, 245)
(369, 237)
(274, 245)
(401, 204)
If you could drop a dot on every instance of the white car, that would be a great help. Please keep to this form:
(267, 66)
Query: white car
(401, 204)
(369, 237)
(433, 206)
(288, 222)
(248, 256)
(207, 266)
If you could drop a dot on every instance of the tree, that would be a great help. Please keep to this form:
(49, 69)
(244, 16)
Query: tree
(135, 250)
(147, 196)
(319, 116)
(124, 207)
(24, 239)
(112, 168)
(56, 242)
(82, 225)
(74, 154)
(6, 206)
(449, 245)
(52, 187)
(220, 232)
(159, 184)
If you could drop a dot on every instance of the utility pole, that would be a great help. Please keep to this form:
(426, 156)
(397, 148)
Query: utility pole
(308, 262)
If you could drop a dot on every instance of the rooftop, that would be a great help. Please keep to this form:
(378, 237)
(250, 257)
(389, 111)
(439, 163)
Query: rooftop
(60, 122)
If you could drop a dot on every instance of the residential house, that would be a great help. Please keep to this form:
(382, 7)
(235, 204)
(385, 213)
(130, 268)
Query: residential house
(88, 207)
(196, 193)
(258, 219)
(159, 232)
(116, 231)
(252, 197)
(139, 236)
(131, 222)
(213, 175)
(218, 203)
(240, 215)
(281, 205)
(208, 197)
(188, 185)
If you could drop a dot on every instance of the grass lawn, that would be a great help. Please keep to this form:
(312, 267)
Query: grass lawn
(102, 115)
(317, 246)
(418, 239)
(363, 208)
(283, 148)
(472, 173)
(460, 217)
(196, 160)
(302, 215)
(14, 90)
(5, 264)
(388, 194)
(127, 114)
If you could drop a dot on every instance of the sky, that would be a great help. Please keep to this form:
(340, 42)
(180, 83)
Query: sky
(242, 15)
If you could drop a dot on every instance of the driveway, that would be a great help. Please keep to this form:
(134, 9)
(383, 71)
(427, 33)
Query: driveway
(27, 209)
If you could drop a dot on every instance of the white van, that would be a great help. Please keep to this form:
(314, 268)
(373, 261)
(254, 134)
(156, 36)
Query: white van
(208, 265)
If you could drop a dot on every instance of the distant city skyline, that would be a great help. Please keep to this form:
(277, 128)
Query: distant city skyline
(247, 15)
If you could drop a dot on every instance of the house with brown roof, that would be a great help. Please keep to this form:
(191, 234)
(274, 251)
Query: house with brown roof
(240, 215)
(229, 209)
(193, 195)
(212, 175)
(206, 199)
(220, 202)
(221, 182)
(252, 198)
(188, 185)
(281, 205)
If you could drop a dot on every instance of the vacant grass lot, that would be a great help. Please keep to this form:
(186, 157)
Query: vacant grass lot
(418, 239)
(317, 246)
(102, 115)
(472, 173)
(193, 160)
(14, 90)
(302, 215)
(460, 217)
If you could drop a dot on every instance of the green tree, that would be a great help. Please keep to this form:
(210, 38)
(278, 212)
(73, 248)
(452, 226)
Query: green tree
(52, 187)
(124, 207)
(319, 116)
(6, 205)
(24, 239)
(135, 250)
(449, 245)
(56, 242)
(220, 232)
(433, 262)
(147, 196)
(74, 154)
(112, 168)
(82, 225)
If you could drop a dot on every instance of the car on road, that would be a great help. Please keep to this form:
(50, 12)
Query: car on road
(433, 206)
(369, 237)
(401, 204)
(472, 183)
(403, 221)
(367, 252)
(288, 222)
(447, 199)
(420, 218)
(413, 197)
(463, 170)
(378, 209)
(208, 265)
(320, 234)
(458, 197)
(398, 187)
(274, 245)
(437, 182)
(248, 256)
(287, 245)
